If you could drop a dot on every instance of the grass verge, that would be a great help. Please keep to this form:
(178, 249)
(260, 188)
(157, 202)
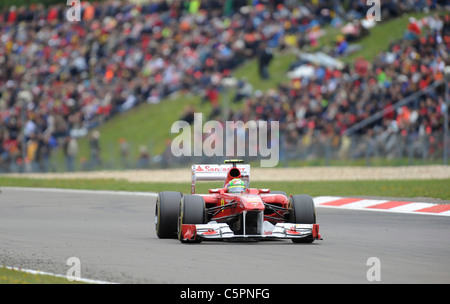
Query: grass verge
(433, 188)
(9, 276)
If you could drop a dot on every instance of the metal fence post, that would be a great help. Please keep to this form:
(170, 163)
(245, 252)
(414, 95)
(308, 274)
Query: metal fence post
(445, 108)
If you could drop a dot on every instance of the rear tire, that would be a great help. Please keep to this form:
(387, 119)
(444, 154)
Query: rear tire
(166, 214)
(191, 210)
(303, 212)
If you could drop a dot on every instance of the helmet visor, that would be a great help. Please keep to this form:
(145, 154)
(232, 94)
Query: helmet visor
(236, 189)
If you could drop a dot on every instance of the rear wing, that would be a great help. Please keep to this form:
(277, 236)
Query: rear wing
(209, 172)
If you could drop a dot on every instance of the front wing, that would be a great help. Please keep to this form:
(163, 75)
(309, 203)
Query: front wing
(216, 231)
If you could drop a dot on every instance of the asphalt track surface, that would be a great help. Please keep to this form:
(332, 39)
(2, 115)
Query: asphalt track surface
(113, 236)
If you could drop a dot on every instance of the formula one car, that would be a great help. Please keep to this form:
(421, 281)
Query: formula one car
(234, 211)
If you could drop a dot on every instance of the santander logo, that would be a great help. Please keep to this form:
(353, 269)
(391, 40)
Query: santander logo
(207, 168)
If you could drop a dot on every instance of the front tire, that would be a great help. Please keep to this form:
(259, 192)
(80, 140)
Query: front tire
(166, 214)
(191, 210)
(303, 212)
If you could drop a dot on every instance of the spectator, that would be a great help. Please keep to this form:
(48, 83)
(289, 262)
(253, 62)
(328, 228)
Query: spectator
(94, 149)
(124, 152)
(244, 90)
(70, 151)
(144, 158)
(265, 56)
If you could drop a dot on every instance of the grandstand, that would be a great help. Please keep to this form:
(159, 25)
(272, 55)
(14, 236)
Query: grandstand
(102, 93)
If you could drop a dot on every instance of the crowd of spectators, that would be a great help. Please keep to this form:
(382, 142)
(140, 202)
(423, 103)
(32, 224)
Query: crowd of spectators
(316, 112)
(59, 80)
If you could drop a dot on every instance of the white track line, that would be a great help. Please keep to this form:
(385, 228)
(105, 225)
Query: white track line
(38, 272)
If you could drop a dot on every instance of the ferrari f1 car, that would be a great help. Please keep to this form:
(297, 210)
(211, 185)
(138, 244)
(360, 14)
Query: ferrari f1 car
(235, 211)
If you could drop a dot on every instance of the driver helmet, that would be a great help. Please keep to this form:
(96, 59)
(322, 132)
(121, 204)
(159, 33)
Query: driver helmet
(236, 186)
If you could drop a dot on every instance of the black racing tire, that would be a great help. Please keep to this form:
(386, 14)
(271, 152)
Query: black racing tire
(191, 210)
(303, 212)
(166, 214)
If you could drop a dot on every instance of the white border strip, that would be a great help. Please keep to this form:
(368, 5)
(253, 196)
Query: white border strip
(38, 272)
(80, 191)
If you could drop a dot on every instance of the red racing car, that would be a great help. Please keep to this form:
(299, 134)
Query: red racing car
(235, 211)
